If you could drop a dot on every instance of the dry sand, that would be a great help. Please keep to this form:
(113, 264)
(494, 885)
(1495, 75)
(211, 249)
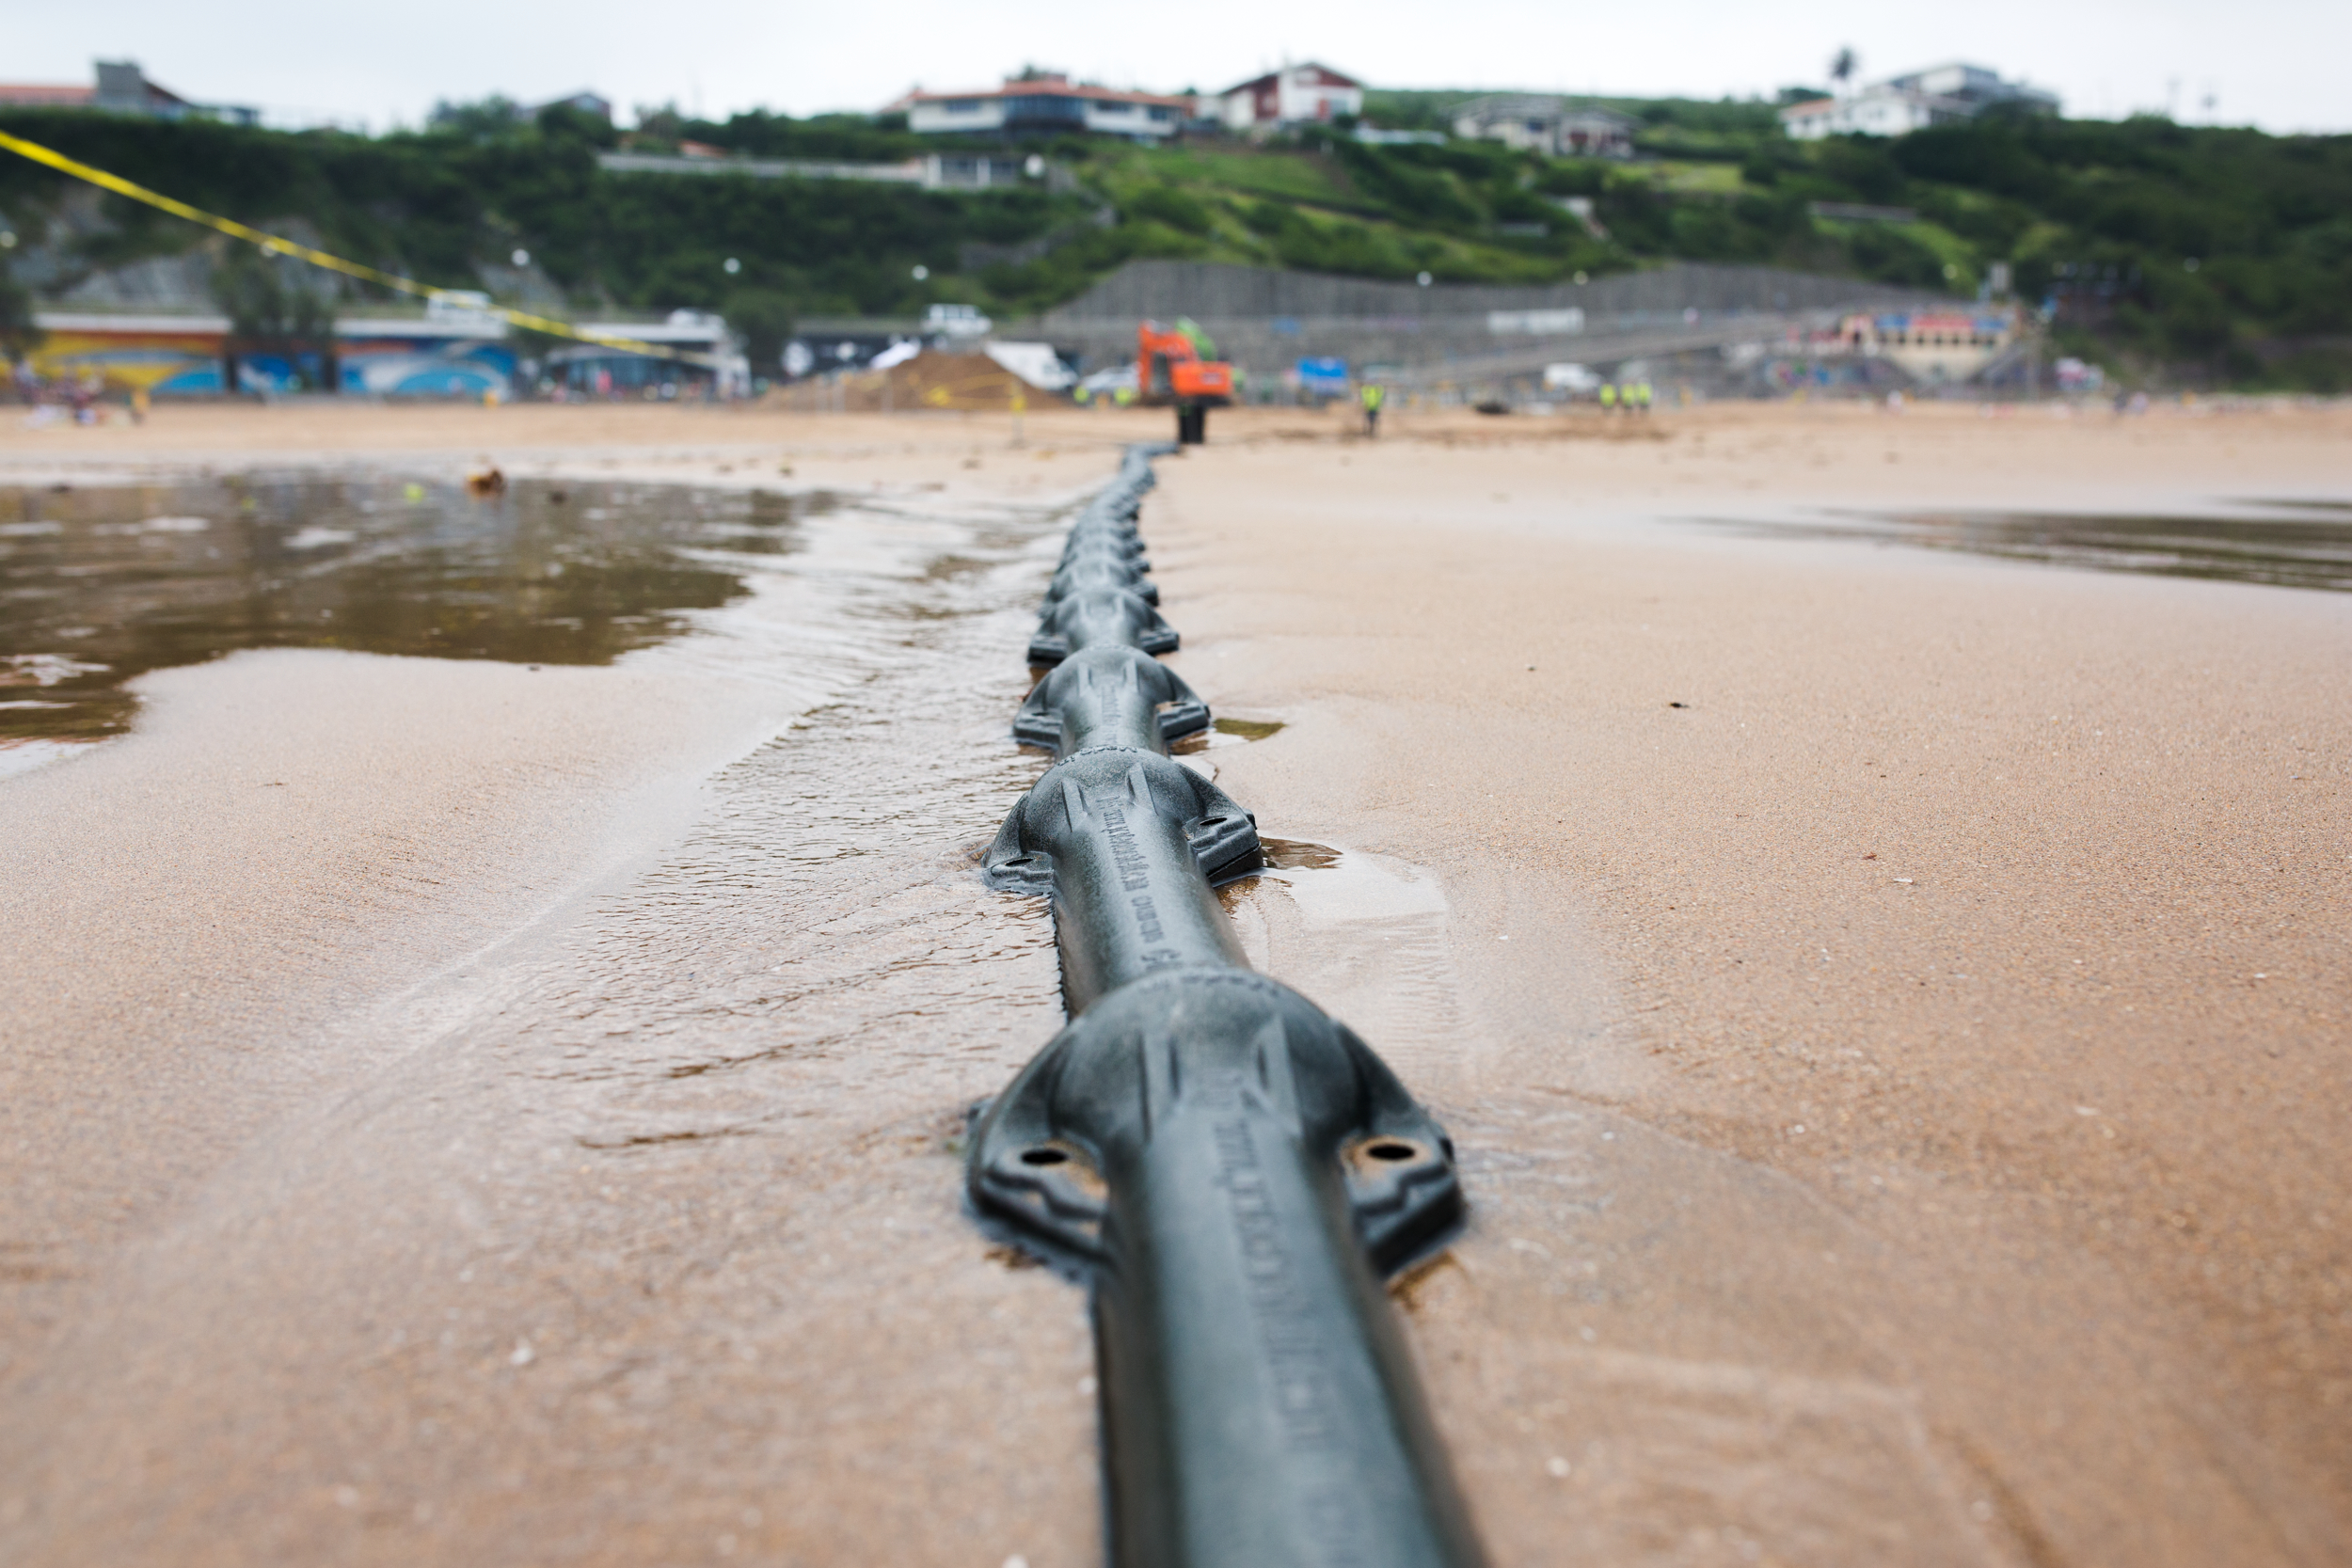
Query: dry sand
(466, 1115)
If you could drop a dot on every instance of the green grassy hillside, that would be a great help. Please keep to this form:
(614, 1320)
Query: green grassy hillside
(2222, 255)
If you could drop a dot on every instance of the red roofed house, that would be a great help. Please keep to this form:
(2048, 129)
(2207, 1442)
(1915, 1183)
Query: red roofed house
(45, 95)
(1295, 95)
(121, 89)
(1044, 103)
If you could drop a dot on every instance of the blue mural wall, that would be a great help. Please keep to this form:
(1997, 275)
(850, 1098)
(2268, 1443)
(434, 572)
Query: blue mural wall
(426, 366)
(186, 362)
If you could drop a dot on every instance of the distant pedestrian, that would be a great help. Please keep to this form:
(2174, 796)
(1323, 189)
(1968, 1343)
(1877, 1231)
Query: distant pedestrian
(1373, 395)
(1608, 397)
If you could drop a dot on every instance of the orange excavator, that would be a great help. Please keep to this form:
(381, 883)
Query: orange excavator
(1172, 371)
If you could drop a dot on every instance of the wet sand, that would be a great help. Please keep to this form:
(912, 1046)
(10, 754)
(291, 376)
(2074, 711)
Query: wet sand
(474, 1115)
(1904, 1083)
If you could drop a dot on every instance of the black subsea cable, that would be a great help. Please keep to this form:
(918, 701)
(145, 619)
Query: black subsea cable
(1233, 1169)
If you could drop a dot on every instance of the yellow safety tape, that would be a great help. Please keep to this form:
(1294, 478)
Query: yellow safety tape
(275, 246)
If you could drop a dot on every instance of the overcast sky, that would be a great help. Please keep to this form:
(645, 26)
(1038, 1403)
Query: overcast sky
(2278, 64)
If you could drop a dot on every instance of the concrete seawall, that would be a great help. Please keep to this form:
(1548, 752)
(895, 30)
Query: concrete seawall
(1263, 319)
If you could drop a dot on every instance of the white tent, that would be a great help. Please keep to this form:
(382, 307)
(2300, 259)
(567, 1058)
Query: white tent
(1034, 363)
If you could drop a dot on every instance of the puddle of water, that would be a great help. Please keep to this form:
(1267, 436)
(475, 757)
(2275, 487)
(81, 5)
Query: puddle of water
(101, 584)
(1294, 854)
(1349, 886)
(1247, 729)
(1329, 885)
(1367, 936)
(1225, 732)
(2286, 551)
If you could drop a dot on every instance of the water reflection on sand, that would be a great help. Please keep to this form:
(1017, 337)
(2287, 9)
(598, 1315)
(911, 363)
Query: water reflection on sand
(101, 584)
(2286, 543)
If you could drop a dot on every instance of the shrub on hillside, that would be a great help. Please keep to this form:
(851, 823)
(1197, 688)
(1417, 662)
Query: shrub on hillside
(1166, 204)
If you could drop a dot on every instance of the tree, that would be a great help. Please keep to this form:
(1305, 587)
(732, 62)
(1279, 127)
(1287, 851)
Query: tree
(662, 121)
(565, 119)
(267, 316)
(18, 333)
(1842, 66)
(480, 120)
(764, 317)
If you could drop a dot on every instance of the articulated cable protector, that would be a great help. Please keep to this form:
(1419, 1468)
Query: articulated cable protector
(1231, 1171)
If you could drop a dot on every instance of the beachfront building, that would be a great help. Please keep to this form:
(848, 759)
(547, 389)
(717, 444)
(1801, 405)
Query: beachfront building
(708, 354)
(121, 89)
(458, 347)
(1534, 124)
(1942, 95)
(1307, 94)
(1936, 347)
(461, 354)
(1044, 103)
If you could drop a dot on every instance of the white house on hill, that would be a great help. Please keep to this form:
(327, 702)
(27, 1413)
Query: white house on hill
(1533, 123)
(1941, 95)
(1045, 105)
(1295, 95)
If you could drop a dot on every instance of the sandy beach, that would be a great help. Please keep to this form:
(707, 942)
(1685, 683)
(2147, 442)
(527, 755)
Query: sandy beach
(1891, 1000)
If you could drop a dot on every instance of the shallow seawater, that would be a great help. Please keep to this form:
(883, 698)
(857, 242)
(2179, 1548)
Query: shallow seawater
(2303, 505)
(101, 584)
(2279, 542)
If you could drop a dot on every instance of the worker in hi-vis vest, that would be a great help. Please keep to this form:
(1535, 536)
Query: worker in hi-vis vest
(1608, 397)
(1373, 395)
